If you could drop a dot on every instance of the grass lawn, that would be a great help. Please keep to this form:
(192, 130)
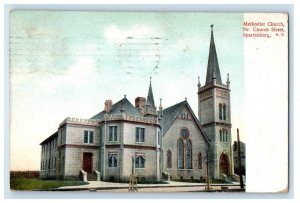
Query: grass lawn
(38, 184)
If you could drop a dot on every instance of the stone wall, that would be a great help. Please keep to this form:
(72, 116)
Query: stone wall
(198, 145)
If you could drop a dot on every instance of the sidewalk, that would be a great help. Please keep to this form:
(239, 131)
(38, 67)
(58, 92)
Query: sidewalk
(101, 185)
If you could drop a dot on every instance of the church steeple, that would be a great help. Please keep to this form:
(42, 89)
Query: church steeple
(213, 70)
(150, 100)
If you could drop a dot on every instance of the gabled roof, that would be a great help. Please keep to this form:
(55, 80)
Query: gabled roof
(116, 109)
(170, 115)
(212, 65)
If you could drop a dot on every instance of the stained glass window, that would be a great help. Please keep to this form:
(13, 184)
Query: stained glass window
(188, 154)
(180, 153)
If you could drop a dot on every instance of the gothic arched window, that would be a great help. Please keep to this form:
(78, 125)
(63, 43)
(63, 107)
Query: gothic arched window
(221, 137)
(188, 154)
(199, 160)
(112, 160)
(224, 111)
(220, 112)
(169, 159)
(180, 153)
(140, 162)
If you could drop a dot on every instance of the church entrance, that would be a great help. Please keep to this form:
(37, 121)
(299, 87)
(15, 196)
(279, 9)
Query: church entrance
(88, 162)
(224, 164)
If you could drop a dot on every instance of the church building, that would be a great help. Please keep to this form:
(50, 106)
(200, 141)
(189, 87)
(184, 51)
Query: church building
(125, 139)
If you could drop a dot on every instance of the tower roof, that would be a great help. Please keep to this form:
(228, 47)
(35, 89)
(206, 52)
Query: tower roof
(150, 99)
(213, 70)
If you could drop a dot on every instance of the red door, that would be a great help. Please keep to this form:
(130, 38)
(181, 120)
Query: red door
(88, 162)
(224, 164)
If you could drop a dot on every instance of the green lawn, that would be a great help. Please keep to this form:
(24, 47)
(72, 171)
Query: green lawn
(38, 184)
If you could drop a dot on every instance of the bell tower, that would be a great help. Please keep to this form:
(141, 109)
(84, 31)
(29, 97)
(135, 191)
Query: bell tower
(214, 113)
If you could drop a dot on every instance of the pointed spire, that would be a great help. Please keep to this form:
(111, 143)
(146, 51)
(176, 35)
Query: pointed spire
(160, 103)
(228, 81)
(150, 99)
(160, 115)
(212, 65)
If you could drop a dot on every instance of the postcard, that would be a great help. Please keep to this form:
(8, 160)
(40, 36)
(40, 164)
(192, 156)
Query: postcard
(148, 101)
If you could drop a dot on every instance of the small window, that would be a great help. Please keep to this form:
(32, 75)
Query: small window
(169, 159)
(140, 134)
(184, 133)
(112, 160)
(158, 137)
(140, 162)
(200, 160)
(88, 137)
(113, 133)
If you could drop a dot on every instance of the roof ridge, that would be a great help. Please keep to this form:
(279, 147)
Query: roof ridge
(174, 105)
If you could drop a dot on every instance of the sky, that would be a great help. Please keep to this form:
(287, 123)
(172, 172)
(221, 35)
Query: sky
(66, 64)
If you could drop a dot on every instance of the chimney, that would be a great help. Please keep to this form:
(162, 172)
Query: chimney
(107, 105)
(140, 103)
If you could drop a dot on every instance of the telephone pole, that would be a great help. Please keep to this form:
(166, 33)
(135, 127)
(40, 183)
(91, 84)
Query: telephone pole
(239, 159)
(133, 179)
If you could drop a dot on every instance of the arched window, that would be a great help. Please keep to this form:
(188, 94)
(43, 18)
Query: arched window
(224, 111)
(112, 160)
(180, 153)
(226, 136)
(140, 162)
(220, 111)
(221, 137)
(169, 159)
(189, 154)
(199, 160)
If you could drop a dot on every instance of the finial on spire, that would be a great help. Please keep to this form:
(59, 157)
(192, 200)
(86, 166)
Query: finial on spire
(185, 99)
(199, 81)
(150, 79)
(212, 27)
(160, 112)
(124, 96)
(228, 81)
(160, 105)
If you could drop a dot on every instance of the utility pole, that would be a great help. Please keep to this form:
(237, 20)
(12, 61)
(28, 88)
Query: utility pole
(239, 159)
(207, 187)
(132, 180)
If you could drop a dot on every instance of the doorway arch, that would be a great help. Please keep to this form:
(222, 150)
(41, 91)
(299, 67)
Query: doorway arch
(224, 164)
